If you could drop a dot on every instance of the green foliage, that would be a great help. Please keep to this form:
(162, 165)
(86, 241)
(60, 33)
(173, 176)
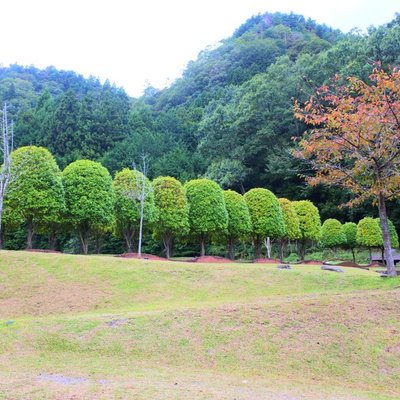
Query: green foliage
(89, 197)
(266, 214)
(207, 211)
(292, 223)
(369, 233)
(171, 208)
(227, 173)
(127, 186)
(350, 231)
(36, 195)
(310, 222)
(332, 233)
(394, 238)
(239, 225)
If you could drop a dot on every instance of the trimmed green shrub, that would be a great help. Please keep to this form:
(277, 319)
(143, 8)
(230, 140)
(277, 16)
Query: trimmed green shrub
(239, 222)
(310, 224)
(292, 224)
(127, 184)
(207, 212)
(332, 234)
(266, 217)
(350, 232)
(37, 194)
(89, 198)
(172, 211)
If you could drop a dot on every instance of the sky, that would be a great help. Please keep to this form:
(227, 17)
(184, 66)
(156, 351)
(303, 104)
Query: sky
(137, 43)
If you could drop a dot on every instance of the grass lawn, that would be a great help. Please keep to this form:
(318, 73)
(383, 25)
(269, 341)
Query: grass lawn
(100, 327)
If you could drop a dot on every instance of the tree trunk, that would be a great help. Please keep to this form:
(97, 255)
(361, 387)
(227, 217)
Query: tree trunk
(52, 243)
(282, 244)
(2, 239)
(129, 235)
(84, 241)
(167, 240)
(98, 243)
(257, 248)
(231, 249)
(391, 270)
(267, 242)
(354, 255)
(29, 236)
(302, 249)
(202, 246)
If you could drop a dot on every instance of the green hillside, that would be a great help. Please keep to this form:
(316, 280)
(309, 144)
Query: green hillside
(103, 327)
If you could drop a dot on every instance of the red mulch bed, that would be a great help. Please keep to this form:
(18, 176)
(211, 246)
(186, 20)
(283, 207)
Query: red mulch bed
(267, 261)
(375, 264)
(43, 251)
(211, 259)
(144, 256)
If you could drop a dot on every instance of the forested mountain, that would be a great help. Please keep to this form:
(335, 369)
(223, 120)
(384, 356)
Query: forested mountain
(229, 117)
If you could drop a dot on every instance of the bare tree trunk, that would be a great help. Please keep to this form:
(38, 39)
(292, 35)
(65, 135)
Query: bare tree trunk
(391, 270)
(29, 235)
(129, 235)
(267, 242)
(52, 240)
(202, 246)
(302, 249)
(282, 244)
(354, 255)
(231, 249)
(2, 239)
(84, 242)
(167, 240)
(257, 248)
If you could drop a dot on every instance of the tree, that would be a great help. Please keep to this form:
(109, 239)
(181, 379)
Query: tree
(37, 194)
(128, 211)
(356, 141)
(332, 234)
(292, 224)
(369, 234)
(89, 198)
(239, 222)
(6, 147)
(207, 212)
(350, 231)
(310, 224)
(266, 217)
(172, 211)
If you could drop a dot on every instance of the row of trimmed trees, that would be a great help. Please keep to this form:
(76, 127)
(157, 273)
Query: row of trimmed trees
(366, 234)
(84, 199)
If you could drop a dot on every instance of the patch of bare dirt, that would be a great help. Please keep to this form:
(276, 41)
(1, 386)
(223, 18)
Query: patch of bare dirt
(267, 261)
(44, 251)
(211, 259)
(50, 296)
(144, 256)
(348, 264)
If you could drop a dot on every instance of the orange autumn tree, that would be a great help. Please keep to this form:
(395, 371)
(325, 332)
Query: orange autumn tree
(355, 142)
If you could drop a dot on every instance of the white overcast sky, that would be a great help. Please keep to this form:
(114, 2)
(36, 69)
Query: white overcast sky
(137, 42)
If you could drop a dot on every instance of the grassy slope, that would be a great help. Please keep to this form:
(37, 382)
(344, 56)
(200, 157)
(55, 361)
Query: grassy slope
(104, 327)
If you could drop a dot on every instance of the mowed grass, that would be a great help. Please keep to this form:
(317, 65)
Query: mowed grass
(74, 327)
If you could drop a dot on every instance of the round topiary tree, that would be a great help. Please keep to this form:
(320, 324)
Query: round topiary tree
(332, 234)
(266, 217)
(369, 234)
(310, 224)
(127, 187)
(239, 225)
(350, 231)
(89, 198)
(172, 211)
(37, 194)
(292, 225)
(207, 212)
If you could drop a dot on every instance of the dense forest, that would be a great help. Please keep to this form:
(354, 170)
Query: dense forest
(228, 118)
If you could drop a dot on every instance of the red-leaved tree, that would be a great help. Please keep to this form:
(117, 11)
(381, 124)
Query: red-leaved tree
(355, 142)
